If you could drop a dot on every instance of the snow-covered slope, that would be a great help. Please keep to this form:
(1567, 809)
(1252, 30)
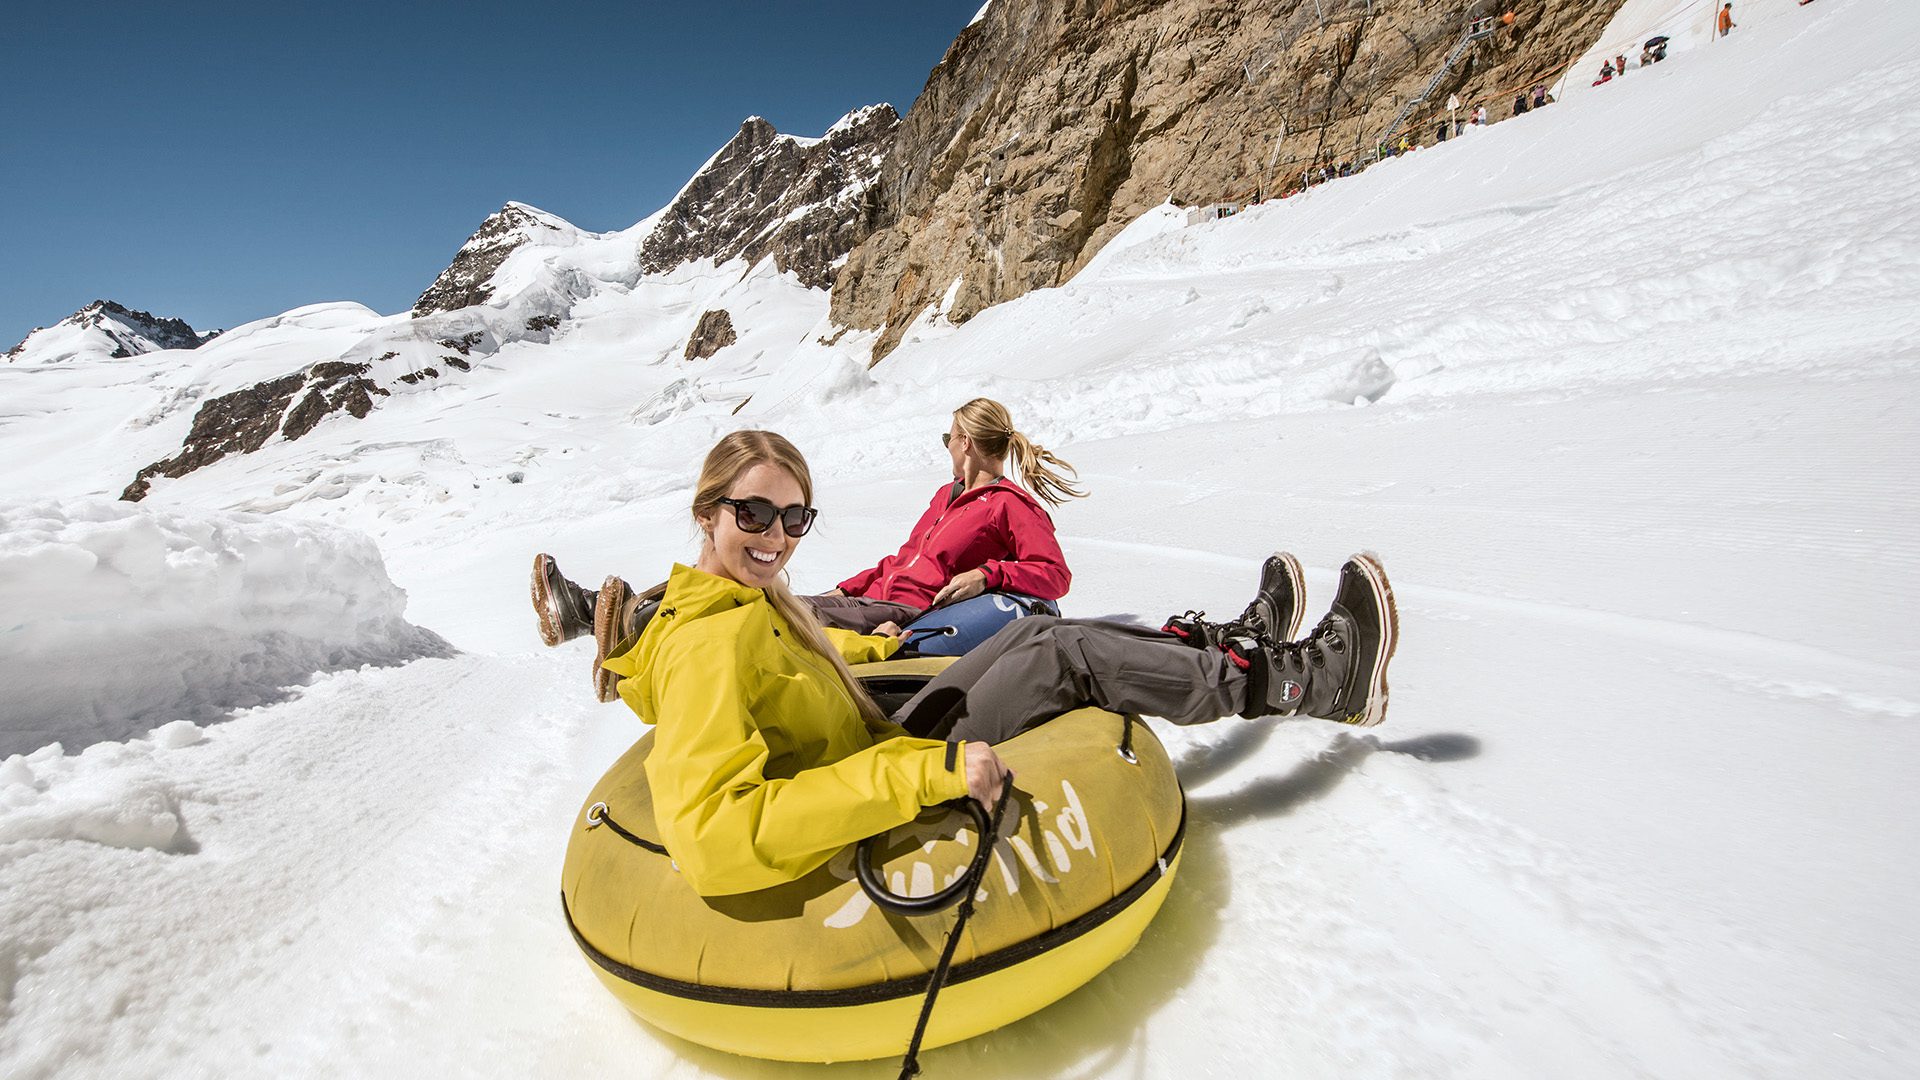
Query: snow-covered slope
(1622, 391)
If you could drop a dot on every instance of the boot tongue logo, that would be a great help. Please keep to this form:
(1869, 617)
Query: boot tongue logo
(1290, 691)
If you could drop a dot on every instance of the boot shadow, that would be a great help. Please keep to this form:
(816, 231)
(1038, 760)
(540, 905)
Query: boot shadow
(1315, 777)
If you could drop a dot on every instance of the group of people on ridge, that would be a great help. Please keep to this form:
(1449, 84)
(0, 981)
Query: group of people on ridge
(769, 757)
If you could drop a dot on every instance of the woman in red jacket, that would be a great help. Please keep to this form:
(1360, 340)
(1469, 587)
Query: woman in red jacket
(980, 532)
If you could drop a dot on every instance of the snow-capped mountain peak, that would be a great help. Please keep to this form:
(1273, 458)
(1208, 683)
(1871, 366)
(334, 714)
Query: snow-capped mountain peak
(467, 281)
(106, 330)
(801, 201)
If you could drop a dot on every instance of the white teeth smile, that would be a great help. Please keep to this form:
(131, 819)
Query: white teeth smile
(763, 556)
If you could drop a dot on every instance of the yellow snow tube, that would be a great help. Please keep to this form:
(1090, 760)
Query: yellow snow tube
(815, 970)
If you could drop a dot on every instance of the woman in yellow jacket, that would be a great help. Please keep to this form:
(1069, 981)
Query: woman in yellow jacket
(768, 756)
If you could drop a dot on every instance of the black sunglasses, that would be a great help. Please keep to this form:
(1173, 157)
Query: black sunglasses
(758, 515)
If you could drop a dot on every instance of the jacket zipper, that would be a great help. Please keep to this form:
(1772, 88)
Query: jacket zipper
(938, 524)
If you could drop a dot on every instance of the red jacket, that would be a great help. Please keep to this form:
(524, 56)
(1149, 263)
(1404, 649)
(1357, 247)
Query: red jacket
(999, 528)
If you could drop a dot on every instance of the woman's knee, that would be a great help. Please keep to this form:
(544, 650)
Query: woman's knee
(1028, 626)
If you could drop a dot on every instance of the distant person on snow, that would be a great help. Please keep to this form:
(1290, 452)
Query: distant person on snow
(770, 756)
(1539, 95)
(1440, 132)
(981, 532)
(1726, 20)
(1620, 64)
(1646, 57)
(1606, 73)
(1520, 103)
(1479, 115)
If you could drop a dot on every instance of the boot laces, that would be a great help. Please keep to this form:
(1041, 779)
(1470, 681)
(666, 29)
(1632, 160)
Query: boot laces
(1326, 637)
(1253, 619)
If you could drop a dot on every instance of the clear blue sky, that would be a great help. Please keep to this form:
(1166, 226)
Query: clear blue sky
(225, 162)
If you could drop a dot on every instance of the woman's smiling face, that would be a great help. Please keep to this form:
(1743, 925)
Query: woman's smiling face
(753, 559)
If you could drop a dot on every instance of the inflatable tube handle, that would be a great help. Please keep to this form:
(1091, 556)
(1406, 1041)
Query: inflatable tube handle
(939, 901)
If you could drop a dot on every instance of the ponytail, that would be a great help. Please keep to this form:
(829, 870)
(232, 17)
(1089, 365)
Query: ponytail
(1036, 477)
(990, 426)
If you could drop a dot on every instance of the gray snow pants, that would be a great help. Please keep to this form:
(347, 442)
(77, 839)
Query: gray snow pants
(1039, 667)
(857, 613)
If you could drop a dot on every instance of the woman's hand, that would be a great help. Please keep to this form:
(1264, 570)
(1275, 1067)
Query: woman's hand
(963, 587)
(890, 629)
(986, 774)
(833, 592)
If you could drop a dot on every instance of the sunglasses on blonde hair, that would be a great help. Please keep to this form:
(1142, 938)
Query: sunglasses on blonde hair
(758, 515)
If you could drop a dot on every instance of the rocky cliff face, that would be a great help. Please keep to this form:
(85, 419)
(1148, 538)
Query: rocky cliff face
(104, 328)
(804, 202)
(1050, 124)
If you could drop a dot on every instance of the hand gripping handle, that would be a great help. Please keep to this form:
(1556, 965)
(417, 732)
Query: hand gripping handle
(876, 888)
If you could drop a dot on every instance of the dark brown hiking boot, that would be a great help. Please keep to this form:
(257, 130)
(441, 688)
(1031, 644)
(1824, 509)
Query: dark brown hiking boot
(565, 610)
(618, 618)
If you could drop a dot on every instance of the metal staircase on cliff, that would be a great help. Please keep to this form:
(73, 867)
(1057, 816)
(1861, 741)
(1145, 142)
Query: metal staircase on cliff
(1476, 30)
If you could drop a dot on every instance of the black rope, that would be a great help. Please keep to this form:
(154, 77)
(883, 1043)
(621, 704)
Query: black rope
(910, 1065)
(604, 818)
(1126, 737)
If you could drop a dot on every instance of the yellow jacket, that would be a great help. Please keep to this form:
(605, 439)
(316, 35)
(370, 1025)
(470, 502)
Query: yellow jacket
(762, 768)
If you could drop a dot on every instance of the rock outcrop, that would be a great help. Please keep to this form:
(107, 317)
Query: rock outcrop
(714, 332)
(804, 202)
(242, 421)
(106, 329)
(1051, 124)
(467, 281)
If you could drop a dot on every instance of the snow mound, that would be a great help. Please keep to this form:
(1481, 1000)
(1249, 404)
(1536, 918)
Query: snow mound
(122, 620)
(113, 794)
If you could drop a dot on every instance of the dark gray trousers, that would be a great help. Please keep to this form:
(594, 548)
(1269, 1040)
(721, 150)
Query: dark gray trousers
(1039, 667)
(857, 613)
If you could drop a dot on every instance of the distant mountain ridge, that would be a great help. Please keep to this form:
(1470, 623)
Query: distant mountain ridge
(799, 203)
(106, 330)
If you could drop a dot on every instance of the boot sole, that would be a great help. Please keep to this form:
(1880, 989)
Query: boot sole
(1376, 576)
(606, 634)
(543, 605)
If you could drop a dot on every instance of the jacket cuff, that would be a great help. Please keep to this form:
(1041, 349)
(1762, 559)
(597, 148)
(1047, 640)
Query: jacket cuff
(949, 779)
(996, 579)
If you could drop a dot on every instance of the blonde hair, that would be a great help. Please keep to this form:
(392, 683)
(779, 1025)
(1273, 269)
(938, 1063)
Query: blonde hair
(989, 426)
(729, 459)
